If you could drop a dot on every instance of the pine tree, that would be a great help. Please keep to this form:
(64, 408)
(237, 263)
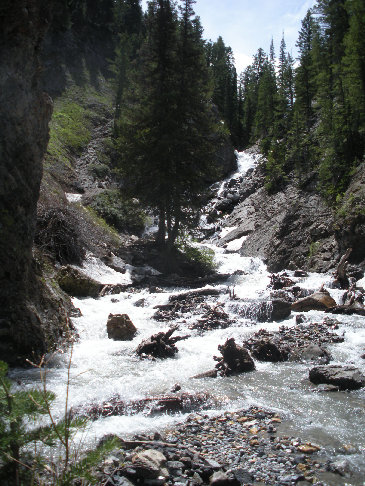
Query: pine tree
(166, 119)
(224, 75)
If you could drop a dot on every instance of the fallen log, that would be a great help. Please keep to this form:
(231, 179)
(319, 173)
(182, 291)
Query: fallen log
(184, 402)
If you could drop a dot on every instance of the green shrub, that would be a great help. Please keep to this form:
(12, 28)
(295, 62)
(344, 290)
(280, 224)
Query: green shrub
(70, 128)
(122, 213)
(99, 171)
(204, 257)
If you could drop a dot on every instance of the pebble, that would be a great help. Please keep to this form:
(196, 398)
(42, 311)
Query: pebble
(232, 449)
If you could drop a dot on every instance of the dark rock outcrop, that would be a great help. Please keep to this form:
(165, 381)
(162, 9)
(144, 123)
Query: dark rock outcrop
(25, 113)
(345, 377)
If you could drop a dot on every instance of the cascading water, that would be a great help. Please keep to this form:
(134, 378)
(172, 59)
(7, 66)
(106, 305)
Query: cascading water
(102, 368)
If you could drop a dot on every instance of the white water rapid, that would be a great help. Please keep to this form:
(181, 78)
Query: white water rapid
(102, 368)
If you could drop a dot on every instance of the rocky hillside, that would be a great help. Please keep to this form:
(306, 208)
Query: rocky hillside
(295, 227)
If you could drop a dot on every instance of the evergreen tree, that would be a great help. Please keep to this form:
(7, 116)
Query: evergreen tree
(305, 74)
(166, 119)
(128, 28)
(224, 75)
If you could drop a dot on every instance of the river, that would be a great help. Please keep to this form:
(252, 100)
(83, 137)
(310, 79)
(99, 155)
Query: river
(102, 368)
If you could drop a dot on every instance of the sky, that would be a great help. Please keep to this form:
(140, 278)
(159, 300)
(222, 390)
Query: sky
(246, 25)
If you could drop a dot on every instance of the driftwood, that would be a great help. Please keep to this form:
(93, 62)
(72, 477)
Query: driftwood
(184, 402)
(278, 282)
(235, 359)
(160, 345)
(340, 275)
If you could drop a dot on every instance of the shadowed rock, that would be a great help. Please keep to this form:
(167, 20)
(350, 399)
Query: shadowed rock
(345, 377)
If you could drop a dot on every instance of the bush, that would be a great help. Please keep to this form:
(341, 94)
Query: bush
(58, 234)
(122, 213)
(203, 257)
(99, 171)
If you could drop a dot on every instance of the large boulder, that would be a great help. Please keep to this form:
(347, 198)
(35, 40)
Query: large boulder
(76, 283)
(345, 377)
(120, 327)
(317, 301)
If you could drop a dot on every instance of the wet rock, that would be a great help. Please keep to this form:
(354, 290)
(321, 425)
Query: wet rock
(300, 273)
(74, 282)
(317, 301)
(341, 467)
(280, 310)
(120, 327)
(235, 359)
(345, 377)
(206, 374)
(313, 352)
(267, 350)
(116, 406)
(356, 308)
(214, 318)
(113, 289)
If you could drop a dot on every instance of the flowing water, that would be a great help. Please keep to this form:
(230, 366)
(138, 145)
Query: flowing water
(102, 368)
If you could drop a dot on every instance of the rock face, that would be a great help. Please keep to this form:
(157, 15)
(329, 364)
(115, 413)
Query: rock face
(345, 377)
(316, 301)
(120, 327)
(25, 113)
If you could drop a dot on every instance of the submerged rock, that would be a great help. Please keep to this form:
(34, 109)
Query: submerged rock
(345, 377)
(120, 327)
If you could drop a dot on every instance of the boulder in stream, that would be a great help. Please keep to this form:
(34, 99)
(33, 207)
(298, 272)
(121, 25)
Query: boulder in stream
(76, 283)
(345, 377)
(120, 327)
(280, 310)
(269, 350)
(318, 301)
(313, 353)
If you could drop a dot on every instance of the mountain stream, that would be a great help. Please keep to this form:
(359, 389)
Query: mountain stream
(102, 368)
